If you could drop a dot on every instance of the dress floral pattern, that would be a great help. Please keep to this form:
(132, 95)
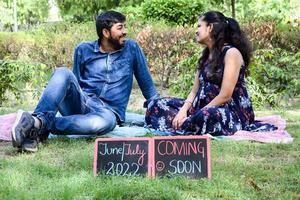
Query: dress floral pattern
(237, 114)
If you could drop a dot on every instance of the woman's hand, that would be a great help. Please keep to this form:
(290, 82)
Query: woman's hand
(179, 119)
(182, 114)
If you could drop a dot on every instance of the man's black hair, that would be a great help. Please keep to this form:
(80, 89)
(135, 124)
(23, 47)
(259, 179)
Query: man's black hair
(106, 20)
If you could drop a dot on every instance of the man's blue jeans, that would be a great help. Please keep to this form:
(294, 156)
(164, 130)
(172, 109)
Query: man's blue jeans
(81, 114)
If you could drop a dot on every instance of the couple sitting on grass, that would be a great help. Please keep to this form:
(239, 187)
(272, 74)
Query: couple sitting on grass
(92, 98)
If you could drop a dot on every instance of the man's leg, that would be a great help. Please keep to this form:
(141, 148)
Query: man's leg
(93, 123)
(62, 88)
(78, 117)
(64, 94)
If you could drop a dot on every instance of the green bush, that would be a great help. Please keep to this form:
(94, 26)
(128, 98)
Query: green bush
(265, 10)
(134, 19)
(84, 10)
(182, 85)
(124, 3)
(259, 94)
(173, 11)
(17, 76)
(277, 73)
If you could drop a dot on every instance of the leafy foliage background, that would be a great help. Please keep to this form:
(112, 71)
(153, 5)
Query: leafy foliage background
(165, 29)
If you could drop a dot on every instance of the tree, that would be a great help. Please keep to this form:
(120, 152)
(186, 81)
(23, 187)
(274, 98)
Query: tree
(30, 12)
(84, 10)
(131, 2)
(6, 15)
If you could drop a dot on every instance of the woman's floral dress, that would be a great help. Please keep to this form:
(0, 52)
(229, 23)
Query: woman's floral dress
(237, 114)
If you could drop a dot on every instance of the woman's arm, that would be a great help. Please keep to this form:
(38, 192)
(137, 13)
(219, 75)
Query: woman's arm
(182, 114)
(233, 62)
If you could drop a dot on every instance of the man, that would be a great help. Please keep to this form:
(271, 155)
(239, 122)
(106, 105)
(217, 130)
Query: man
(93, 98)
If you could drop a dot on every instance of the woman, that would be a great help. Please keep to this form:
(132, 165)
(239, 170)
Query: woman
(218, 103)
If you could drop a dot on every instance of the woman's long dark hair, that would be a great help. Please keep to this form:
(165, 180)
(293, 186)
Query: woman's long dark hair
(225, 31)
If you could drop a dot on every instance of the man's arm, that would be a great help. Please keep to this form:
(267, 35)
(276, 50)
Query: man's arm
(77, 63)
(142, 74)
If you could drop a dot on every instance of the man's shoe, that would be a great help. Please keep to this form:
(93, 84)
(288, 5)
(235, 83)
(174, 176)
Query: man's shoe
(30, 145)
(22, 127)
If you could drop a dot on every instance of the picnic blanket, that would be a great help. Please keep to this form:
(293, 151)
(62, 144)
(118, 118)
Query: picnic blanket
(133, 127)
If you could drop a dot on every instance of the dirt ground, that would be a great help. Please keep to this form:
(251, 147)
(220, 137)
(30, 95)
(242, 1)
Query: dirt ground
(6, 149)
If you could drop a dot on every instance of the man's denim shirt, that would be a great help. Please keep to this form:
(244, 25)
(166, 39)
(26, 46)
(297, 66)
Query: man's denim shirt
(109, 76)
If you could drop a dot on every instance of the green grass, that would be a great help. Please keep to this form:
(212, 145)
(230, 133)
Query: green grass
(63, 169)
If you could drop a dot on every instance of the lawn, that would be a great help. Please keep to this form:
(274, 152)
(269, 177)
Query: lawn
(62, 169)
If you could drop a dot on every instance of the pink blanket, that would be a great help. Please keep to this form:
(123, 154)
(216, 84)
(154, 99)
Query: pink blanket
(278, 136)
(6, 123)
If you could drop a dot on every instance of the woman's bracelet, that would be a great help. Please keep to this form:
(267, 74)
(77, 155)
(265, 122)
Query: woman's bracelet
(187, 101)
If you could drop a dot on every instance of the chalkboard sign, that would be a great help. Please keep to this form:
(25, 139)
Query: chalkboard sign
(183, 155)
(122, 157)
(158, 156)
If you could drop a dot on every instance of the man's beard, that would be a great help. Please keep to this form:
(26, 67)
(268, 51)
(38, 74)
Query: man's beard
(115, 43)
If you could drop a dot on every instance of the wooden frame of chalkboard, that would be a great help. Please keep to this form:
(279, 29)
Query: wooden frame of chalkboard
(123, 156)
(182, 155)
(157, 156)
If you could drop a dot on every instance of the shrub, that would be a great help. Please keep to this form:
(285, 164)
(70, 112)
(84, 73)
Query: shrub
(259, 94)
(55, 43)
(277, 72)
(15, 46)
(165, 47)
(134, 19)
(173, 11)
(15, 75)
(126, 3)
(51, 44)
(261, 34)
(183, 83)
(287, 36)
(266, 10)
(270, 34)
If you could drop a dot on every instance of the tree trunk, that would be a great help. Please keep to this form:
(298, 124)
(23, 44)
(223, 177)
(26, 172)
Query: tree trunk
(15, 15)
(233, 8)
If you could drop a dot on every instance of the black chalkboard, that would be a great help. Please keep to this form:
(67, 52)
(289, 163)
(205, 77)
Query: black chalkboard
(122, 157)
(183, 155)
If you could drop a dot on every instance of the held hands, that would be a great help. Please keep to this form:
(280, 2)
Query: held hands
(179, 119)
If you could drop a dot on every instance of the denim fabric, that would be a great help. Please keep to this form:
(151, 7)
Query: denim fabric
(80, 114)
(109, 76)
(94, 97)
